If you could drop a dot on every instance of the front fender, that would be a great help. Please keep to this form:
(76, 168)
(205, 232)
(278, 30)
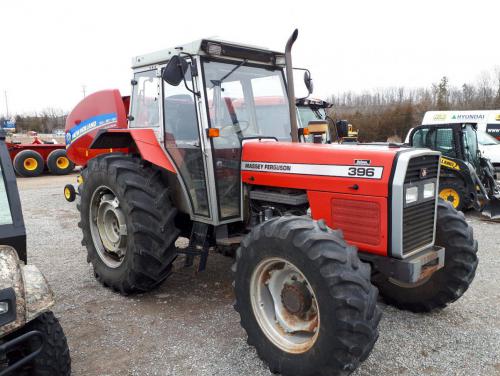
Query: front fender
(11, 278)
(33, 295)
(38, 295)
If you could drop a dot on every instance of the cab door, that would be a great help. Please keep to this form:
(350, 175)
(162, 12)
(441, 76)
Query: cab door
(183, 142)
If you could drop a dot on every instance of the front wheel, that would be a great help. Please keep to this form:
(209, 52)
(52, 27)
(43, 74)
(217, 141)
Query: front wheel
(54, 359)
(304, 298)
(447, 284)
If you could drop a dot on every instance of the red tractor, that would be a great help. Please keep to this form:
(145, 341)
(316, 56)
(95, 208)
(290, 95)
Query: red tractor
(32, 159)
(195, 157)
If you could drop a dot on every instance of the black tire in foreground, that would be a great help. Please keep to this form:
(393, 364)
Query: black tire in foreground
(453, 191)
(134, 249)
(54, 359)
(28, 163)
(300, 268)
(447, 284)
(58, 162)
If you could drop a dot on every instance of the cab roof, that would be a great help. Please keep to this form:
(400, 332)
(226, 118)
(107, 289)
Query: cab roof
(212, 47)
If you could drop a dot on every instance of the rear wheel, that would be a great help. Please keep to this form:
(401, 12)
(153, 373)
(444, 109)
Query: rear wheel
(28, 163)
(304, 298)
(59, 163)
(454, 193)
(447, 284)
(127, 222)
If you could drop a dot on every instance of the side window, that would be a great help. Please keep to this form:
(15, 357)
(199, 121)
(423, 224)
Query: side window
(418, 138)
(445, 143)
(5, 213)
(145, 100)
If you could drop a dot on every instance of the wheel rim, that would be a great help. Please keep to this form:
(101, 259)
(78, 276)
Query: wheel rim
(67, 193)
(108, 227)
(30, 164)
(62, 163)
(284, 305)
(450, 195)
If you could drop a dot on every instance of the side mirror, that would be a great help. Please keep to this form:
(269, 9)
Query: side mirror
(308, 81)
(174, 72)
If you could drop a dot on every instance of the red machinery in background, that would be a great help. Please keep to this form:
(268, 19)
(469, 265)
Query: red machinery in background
(31, 159)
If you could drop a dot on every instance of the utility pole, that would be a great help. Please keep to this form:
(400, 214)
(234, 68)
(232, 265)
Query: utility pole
(83, 90)
(6, 103)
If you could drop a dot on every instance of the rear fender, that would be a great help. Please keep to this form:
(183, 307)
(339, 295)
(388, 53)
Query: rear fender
(142, 141)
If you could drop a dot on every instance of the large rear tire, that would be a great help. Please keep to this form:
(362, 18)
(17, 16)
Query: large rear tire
(304, 298)
(127, 221)
(447, 284)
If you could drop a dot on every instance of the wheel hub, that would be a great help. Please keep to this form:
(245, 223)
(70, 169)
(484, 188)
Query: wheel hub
(296, 298)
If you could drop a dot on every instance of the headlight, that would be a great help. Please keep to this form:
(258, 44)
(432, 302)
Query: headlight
(4, 307)
(411, 195)
(429, 190)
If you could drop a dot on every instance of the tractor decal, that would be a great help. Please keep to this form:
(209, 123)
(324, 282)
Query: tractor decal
(315, 169)
(90, 124)
(450, 164)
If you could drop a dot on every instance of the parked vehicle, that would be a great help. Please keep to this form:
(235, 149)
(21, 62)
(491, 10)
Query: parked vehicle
(32, 342)
(467, 179)
(194, 157)
(33, 159)
(486, 120)
(490, 148)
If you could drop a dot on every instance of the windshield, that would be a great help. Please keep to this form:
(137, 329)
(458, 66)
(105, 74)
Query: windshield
(485, 139)
(246, 101)
(306, 114)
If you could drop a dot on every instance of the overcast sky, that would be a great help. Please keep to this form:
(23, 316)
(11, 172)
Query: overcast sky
(49, 49)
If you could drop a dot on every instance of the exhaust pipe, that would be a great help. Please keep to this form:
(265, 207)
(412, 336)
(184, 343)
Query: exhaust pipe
(291, 91)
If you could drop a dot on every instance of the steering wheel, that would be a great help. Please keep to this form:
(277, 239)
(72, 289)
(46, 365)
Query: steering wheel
(234, 126)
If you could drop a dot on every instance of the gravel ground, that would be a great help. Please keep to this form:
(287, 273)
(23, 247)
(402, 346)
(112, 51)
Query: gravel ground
(188, 325)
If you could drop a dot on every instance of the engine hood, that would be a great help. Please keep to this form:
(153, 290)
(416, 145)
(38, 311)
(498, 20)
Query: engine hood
(354, 169)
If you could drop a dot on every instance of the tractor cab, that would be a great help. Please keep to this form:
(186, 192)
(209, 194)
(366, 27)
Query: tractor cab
(211, 88)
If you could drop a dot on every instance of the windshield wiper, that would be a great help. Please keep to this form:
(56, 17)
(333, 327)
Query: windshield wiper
(221, 80)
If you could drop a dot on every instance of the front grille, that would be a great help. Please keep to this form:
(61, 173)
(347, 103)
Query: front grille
(428, 162)
(418, 226)
(418, 219)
